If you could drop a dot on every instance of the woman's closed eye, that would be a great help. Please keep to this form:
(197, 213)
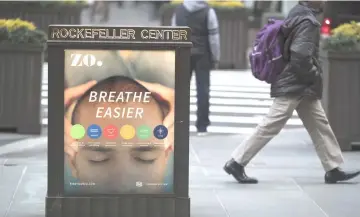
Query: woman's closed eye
(98, 154)
(146, 155)
(98, 158)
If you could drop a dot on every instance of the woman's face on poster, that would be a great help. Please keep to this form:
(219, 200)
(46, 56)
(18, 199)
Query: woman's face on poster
(116, 165)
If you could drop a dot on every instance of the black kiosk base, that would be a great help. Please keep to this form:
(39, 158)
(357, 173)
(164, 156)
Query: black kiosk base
(118, 131)
(119, 207)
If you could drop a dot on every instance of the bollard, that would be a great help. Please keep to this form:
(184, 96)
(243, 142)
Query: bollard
(118, 131)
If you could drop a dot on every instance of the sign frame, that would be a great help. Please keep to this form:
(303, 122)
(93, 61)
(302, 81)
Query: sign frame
(119, 205)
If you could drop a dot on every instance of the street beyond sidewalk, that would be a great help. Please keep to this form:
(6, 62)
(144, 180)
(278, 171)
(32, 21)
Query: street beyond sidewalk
(290, 174)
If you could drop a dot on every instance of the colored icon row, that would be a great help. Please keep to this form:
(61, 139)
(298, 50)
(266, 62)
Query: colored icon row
(111, 132)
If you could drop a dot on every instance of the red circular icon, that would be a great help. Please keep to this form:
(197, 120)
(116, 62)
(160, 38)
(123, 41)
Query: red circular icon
(110, 132)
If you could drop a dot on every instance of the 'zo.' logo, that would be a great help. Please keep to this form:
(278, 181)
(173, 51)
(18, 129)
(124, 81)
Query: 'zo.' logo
(84, 60)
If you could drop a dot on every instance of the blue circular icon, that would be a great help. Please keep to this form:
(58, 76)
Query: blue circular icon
(94, 131)
(160, 132)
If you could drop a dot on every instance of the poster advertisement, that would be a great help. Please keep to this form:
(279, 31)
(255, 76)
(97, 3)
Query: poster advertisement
(119, 126)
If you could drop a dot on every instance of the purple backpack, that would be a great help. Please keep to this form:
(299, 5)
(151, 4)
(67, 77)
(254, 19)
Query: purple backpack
(266, 58)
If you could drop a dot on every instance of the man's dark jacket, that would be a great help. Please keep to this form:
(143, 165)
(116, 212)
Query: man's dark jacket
(302, 75)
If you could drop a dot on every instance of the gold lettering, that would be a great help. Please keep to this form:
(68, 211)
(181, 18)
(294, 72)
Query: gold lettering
(124, 34)
(55, 33)
(102, 33)
(176, 36)
(155, 34)
(79, 33)
(72, 33)
(144, 34)
(183, 34)
(118, 33)
(132, 34)
(64, 33)
(113, 36)
(160, 34)
(152, 34)
(88, 33)
(94, 32)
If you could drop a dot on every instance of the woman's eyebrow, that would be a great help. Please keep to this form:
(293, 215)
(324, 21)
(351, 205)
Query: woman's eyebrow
(146, 148)
(98, 148)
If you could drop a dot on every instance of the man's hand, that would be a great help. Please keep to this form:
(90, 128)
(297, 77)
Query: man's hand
(71, 94)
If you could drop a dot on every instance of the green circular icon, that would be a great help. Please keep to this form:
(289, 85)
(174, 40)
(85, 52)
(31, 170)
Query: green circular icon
(143, 132)
(77, 131)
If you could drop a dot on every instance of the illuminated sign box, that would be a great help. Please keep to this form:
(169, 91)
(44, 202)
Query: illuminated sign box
(118, 140)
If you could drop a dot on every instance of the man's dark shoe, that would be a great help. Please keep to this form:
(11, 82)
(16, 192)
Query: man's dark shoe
(337, 175)
(238, 172)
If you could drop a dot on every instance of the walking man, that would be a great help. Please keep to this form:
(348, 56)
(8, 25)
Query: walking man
(298, 87)
(205, 53)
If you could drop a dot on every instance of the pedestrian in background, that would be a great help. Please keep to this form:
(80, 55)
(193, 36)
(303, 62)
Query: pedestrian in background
(205, 53)
(298, 87)
(102, 8)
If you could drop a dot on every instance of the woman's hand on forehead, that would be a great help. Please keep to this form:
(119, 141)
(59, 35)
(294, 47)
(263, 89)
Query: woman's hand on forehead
(71, 94)
(167, 94)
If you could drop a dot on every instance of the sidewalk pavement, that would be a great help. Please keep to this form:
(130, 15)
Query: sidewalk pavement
(6, 138)
(290, 174)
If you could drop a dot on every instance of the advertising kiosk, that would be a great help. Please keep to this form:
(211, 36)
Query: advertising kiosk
(118, 133)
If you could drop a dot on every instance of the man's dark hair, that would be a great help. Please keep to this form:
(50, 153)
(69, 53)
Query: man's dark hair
(114, 83)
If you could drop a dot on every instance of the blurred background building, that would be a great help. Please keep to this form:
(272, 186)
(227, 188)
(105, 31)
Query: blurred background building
(242, 96)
